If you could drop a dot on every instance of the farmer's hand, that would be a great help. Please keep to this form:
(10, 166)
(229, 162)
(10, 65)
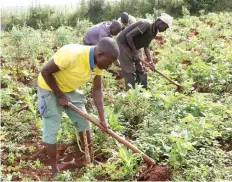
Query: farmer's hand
(63, 100)
(105, 125)
(152, 65)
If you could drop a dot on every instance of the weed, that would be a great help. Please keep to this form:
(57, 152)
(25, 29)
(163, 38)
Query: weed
(11, 158)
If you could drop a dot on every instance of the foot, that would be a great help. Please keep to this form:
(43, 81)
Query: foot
(55, 171)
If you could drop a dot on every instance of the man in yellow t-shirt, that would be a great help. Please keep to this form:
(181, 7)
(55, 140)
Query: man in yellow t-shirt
(71, 67)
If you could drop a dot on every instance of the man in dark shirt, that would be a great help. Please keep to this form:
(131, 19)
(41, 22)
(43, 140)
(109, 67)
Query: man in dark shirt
(136, 36)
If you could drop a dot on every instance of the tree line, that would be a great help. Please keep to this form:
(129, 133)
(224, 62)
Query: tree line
(47, 17)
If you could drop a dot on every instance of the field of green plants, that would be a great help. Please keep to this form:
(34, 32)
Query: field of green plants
(188, 133)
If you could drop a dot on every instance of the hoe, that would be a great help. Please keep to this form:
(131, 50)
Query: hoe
(147, 159)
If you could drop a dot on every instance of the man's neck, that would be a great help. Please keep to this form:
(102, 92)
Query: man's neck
(95, 55)
(154, 29)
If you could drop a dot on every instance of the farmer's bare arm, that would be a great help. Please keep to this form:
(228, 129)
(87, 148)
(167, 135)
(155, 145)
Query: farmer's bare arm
(47, 72)
(98, 99)
(148, 54)
(149, 58)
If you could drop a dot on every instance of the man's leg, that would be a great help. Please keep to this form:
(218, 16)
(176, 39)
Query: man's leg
(51, 150)
(129, 80)
(78, 99)
(141, 75)
(51, 128)
(127, 65)
(51, 115)
(141, 78)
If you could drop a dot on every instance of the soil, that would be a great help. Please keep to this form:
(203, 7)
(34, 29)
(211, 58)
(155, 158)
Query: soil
(41, 58)
(3, 85)
(24, 80)
(200, 87)
(187, 62)
(193, 32)
(229, 148)
(69, 157)
(179, 89)
(160, 40)
(155, 173)
(227, 145)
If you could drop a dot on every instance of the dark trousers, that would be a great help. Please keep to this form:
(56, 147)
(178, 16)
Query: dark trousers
(139, 77)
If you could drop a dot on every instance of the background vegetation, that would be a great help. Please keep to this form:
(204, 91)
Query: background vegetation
(47, 17)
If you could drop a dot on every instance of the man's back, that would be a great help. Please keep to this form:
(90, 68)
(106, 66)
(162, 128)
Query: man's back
(140, 41)
(97, 32)
(73, 62)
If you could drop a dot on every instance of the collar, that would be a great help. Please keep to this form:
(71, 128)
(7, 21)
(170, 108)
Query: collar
(91, 58)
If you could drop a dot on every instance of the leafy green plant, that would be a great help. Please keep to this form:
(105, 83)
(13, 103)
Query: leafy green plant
(133, 107)
(129, 161)
(30, 100)
(112, 119)
(122, 165)
(6, 99)
(65, 176)
(63, 36)
(31, 149)
(11, 158)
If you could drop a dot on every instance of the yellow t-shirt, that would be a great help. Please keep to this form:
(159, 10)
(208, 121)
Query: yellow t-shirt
(73, 61)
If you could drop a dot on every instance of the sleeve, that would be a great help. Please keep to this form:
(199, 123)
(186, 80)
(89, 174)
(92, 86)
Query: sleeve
(143, 27)
(99, 71)
(62, 59)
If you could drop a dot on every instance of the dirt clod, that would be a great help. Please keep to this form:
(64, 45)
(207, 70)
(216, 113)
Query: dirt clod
(156, 173)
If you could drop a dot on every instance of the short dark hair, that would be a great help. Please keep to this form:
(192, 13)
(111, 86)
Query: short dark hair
(124, 17)
(109, 46)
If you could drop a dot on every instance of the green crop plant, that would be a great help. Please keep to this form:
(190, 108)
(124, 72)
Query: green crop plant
(30, 100)
(31, 149)
(63, 36)
(129, 162)
(113, 119)
(65, 176)
(6, 98)
(11, 158)
(133, 107)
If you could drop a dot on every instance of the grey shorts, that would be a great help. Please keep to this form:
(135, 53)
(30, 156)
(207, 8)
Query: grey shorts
(51, 113)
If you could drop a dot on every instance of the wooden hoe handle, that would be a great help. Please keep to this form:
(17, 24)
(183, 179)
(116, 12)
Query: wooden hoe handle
(113, 134)
(157, 71)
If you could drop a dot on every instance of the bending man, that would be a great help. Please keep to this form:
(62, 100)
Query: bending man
(71, 67)
(101, 30)
(136, 36)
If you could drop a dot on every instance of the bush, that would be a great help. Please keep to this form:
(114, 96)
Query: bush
(133, 107)
(63, 36)
(47, 17)
(39, 17)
